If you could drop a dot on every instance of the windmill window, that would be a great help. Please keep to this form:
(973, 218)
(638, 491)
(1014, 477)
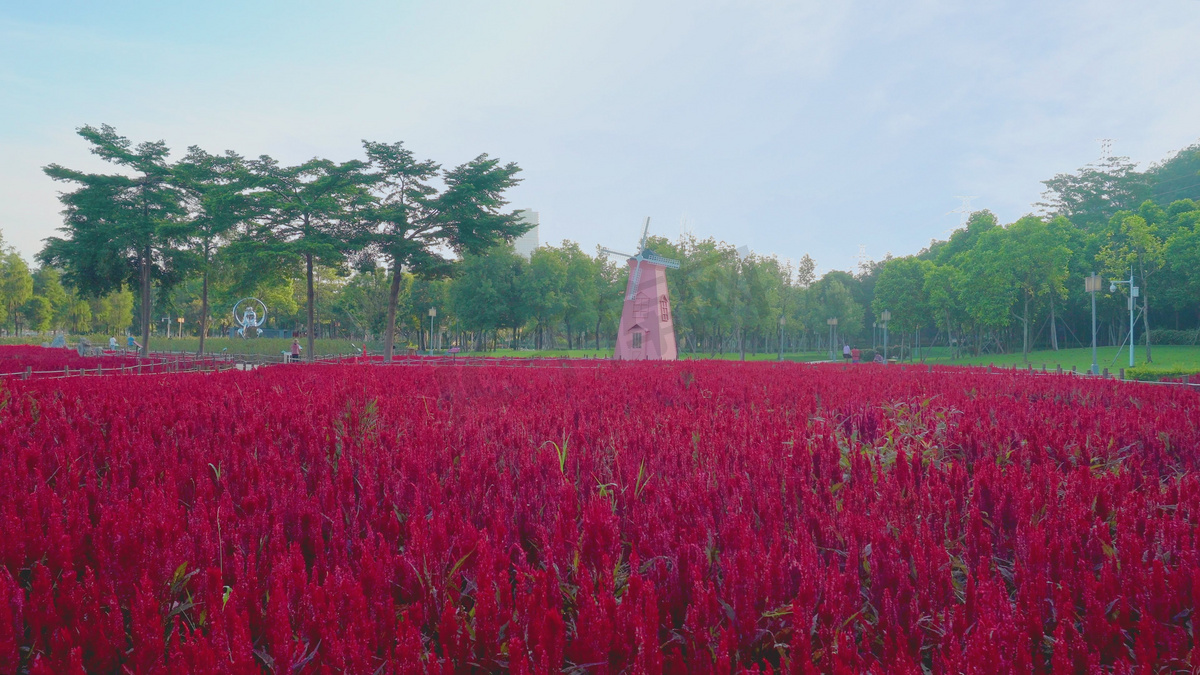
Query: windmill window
(641, 307)
(664, 308)
(637, 340)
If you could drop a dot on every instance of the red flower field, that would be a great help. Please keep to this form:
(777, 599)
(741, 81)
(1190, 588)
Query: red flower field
(700, 517)
(14, 359)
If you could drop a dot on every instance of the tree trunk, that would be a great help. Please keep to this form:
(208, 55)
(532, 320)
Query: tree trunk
(1053, 323)
(1025, 331)
(146, 309)
(597, 334)
(203, 310)
(389, 331)
(308, 261)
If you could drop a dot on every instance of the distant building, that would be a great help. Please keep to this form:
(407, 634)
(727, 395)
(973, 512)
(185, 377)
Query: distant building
(525, 243)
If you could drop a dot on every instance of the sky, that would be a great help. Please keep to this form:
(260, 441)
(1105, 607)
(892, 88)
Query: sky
(791, 127)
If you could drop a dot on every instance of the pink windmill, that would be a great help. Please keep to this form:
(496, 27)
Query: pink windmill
(646, 330)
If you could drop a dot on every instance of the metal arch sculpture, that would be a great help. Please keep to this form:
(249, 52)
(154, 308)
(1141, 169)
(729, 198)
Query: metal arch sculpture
(249, 318)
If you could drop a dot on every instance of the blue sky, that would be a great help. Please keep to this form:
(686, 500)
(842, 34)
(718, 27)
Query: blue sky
(790, 127)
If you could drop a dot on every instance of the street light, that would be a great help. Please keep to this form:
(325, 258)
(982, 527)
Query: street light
(1133, 293)
(1092, 285)
(886, 316)
(832, 327)
(179, 333)
(782, 321)
(167, 323)
(874, 329)
(432, 316)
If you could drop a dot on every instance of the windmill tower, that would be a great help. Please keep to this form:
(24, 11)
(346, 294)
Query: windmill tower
(646, 330)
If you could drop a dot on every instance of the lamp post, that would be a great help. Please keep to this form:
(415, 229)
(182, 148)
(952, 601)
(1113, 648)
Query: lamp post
(167, 323)
(782, 321)
(432, 316)
(886, 316)
(874, 330)
(832, 327)
(1092, 285)
(1133, 293)
(179, 333)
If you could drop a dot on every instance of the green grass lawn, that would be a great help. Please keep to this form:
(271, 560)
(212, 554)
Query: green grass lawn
(1165, 356)
(606, 353)
(212, 345)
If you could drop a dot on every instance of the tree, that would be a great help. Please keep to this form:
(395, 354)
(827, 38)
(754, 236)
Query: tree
(580, 288)
(491, 291)
(38, 313)
(900, 289)
(121, 230)
(987, 285)
(1091, 196)
(405, 227)
(413, 225)
(610, 295)
(835, 301)
(113, 312)
(307, 213)
(364, 301)
(79, 315)
(963, 239)
(547, 289)
(942, 284)
(1182, 254)
(212, 187)
(1038, 263)
(16, 286)
(47, 284)
(1136, 247)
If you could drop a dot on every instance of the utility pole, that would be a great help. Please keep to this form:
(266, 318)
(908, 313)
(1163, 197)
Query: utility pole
(964, 210)
(782, 321)
(432, 316)
(1092, 285)
(886, 316)
(1133, 293)
(832, 327)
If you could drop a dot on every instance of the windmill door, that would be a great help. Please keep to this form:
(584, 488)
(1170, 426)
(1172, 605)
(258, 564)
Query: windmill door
(636, 339)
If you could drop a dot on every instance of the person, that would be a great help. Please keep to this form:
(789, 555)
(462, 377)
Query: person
(112, 344)
(855, 355)
(878, 358)
(295, 350)
(846, 352)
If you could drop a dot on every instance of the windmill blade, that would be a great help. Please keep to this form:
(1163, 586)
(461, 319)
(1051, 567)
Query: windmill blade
(652, 257)
(609, 251)
(645, 233)
(637, 278)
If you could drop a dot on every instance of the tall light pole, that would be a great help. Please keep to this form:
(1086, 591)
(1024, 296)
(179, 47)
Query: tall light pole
(1133, 293)
(886, 316)
(782, 321)
(1092, 285)
(432, 316)
(832, 327)
(874, 330)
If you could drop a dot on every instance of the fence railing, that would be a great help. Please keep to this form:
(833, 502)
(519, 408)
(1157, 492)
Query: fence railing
(164, 363)
(131, 365)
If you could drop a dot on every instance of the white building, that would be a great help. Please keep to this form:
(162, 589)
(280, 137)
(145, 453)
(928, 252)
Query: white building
(525, 243)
